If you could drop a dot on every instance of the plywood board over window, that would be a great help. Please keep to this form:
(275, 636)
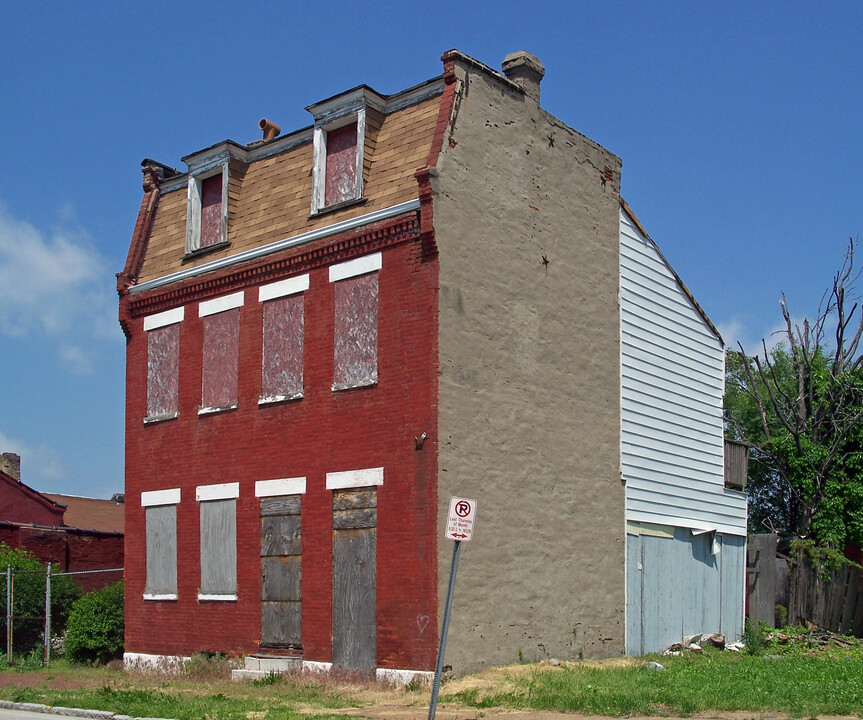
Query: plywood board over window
(221, 330)
(341, 171)
(218, 507)
(160, 513)
(161, 530)
(163, 369)
(163, 363)
(211, 210)
(207, 210)
(219, 548)
(221, 346)
(355, 327)
(356, 332)
(283, 330)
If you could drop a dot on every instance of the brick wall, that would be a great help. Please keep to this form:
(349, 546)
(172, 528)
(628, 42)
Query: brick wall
(323, 432)
(21, 505)
(71, 551)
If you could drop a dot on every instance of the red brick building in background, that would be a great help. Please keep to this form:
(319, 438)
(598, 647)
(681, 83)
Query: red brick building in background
(75, 534)
(332, 331)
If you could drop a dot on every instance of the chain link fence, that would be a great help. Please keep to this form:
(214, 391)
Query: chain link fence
(45, 618)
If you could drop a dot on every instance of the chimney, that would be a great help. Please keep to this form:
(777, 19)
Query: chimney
(10, 463)
(526, 71)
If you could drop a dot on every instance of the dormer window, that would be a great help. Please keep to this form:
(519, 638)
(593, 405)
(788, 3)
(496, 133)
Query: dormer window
(338, 172)
(207, 212)
(339, 153)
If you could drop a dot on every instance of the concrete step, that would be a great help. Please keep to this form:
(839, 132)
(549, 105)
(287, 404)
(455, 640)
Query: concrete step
(272, 663)
(248, 675)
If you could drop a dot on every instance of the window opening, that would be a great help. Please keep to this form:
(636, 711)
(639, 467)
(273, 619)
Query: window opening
(160, 513)
(355, 332)
(283, 339)
(211, 210)
(355, 325)
(207, 212)
(163, 363)
(221, 344)
(163, 369)
(218, 510)
(341, 171)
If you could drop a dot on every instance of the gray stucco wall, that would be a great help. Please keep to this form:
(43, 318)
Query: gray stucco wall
(526, 221)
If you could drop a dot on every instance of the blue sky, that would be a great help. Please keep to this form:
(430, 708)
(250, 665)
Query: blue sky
(739, 126)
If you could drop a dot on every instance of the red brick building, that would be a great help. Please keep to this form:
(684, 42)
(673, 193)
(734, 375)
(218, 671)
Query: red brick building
(75, 534)
(332, 331)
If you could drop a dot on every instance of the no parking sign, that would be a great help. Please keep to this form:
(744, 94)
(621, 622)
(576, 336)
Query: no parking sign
(459, 522)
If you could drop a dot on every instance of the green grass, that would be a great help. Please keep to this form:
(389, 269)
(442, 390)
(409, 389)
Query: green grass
(166, 703)
(718, 681)
(796, 676)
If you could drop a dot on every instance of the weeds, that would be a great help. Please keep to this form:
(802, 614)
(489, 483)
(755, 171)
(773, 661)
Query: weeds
(271, 678)
(204, 667)
(755, 637)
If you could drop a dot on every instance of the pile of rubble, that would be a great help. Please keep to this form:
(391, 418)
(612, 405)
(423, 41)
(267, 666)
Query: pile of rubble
(816, 637)
(697, 643)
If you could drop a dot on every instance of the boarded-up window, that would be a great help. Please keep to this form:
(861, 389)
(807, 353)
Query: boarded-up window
(221, 346)
(355, 333)
(206, 212)
(219, 548)
(341, 172)
(163, 366)
(282, 366)
(161, 552)
(211, 210)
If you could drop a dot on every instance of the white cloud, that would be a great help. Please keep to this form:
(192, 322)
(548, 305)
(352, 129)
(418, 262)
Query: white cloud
(76, 359)
(57, 286)
(38, 464)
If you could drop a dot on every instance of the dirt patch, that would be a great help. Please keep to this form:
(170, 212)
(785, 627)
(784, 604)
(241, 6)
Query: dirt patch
(456, 712)
(38, 679)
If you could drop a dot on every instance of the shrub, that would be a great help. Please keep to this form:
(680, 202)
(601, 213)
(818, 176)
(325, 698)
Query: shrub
(29, 598)
(95, 626)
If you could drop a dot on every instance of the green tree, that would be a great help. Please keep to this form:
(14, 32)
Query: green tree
(799, 407)
(29, 598)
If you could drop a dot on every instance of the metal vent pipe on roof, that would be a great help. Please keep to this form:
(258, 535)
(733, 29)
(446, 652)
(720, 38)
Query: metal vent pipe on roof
(271, 130)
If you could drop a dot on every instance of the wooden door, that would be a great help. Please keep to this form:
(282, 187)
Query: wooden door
(281, 573)
(354, 579)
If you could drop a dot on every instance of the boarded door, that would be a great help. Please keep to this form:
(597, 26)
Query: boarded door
(281, 572)
(354, 579)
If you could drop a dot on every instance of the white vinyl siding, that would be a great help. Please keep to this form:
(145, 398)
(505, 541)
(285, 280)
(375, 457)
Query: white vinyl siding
(672, 382)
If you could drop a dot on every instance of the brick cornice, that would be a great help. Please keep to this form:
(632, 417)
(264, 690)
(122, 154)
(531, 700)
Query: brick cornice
(290, 262)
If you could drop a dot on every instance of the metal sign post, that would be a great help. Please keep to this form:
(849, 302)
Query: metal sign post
(459, 527)
(8, 614)
(47, 648)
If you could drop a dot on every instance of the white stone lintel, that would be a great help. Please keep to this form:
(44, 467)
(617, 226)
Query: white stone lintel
(355, 478)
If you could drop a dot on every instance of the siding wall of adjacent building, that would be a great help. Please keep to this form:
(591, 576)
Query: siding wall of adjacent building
(680, 584)
(685, 532)
(672, 382)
